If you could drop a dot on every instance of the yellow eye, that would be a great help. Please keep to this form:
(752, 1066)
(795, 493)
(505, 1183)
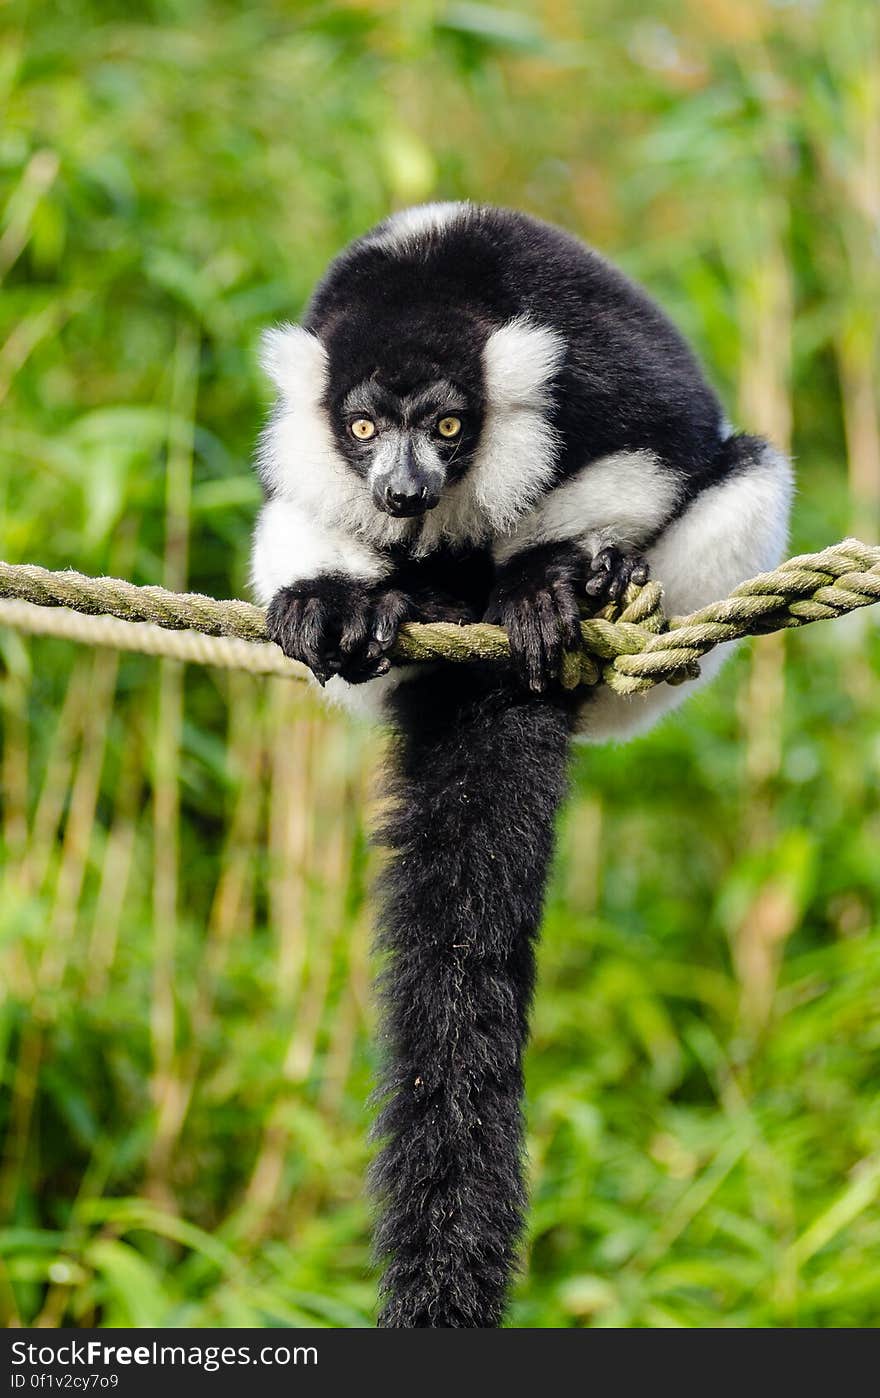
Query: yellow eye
(449, 426)
(363, 428)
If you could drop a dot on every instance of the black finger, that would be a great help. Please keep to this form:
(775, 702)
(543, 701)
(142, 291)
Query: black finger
(532, 647)
(355, 632)
(522, 647)
(391, 610)
(599, 575)
(616, 584)
(550, 631)
(596, 586)
(283, 623)
(569, 614)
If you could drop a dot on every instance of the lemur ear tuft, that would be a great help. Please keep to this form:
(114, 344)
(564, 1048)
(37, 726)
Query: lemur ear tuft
(295, 361)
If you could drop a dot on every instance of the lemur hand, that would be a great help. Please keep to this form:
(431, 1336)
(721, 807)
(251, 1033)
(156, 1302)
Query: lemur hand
(610, 573)
(338, 626)
(536, 600)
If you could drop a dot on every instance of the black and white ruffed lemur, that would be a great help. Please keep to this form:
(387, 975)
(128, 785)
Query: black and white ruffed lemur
(480, 418)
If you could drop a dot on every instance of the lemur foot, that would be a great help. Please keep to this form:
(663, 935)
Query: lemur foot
(338, 626)
(535, 600)
(610, 573)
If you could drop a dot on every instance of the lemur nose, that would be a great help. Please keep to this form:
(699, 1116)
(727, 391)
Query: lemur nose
(405, 499)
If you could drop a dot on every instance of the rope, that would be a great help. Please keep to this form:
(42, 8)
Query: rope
(630, 648)
(221, 652)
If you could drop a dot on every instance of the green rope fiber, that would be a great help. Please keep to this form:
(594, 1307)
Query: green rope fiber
(630, 647)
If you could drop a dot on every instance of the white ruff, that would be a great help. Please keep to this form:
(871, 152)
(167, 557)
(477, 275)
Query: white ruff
(518, 447)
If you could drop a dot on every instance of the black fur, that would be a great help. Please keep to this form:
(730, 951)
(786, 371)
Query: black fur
(480, 773)
(629, 380)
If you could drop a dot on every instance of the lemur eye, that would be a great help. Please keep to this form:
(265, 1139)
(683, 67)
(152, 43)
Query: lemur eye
(363, 428)
(449, 426)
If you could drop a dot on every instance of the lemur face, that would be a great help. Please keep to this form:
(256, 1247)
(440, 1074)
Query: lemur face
(408, 441)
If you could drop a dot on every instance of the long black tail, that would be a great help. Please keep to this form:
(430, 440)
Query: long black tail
(480, 774)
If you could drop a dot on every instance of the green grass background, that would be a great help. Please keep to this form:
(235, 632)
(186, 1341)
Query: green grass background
(184, 922)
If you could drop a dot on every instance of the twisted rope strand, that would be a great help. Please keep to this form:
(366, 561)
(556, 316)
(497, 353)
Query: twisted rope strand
(631, 647)
(192, 647)
(813, 587)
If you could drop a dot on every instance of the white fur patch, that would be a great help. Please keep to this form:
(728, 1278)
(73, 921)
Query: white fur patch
(367, 701)
(290, 546)
(295, 361)
(297, 454)
(518, 446)
(519, 359)
(619, 499)
(406, 229)
(732, 531)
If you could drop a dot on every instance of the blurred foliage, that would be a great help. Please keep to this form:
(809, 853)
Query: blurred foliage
(183, 921)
